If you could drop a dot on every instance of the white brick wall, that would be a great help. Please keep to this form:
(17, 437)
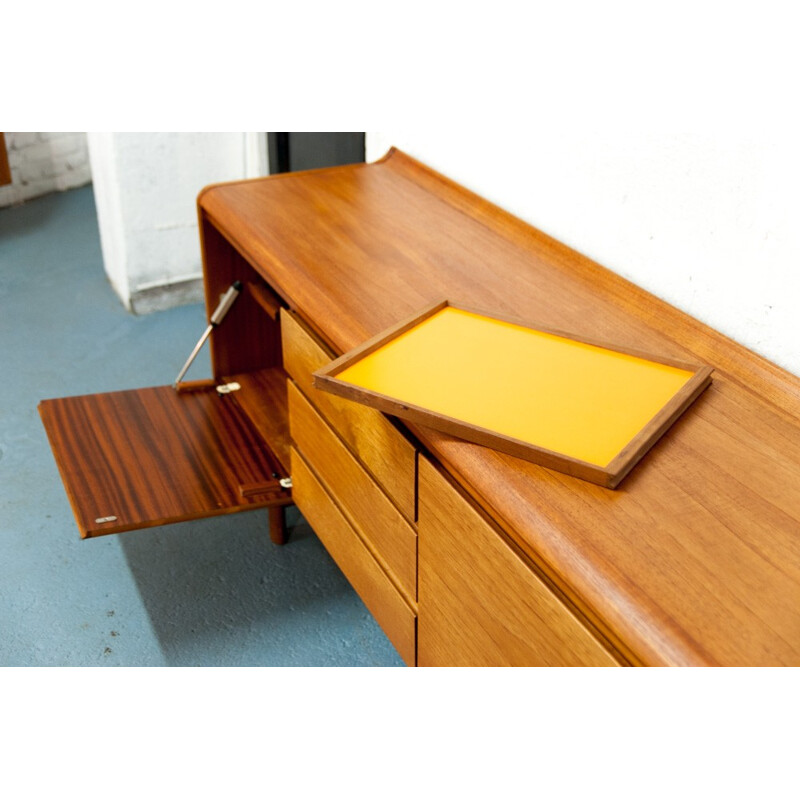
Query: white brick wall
(44, 162)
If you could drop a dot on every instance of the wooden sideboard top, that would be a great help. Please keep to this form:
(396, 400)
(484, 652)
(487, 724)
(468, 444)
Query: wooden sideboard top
(695, 558)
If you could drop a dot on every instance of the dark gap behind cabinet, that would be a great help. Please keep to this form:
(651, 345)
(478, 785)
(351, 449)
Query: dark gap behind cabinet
(292, 152)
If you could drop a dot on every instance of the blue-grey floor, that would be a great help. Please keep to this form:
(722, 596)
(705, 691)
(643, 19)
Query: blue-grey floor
(209, 593)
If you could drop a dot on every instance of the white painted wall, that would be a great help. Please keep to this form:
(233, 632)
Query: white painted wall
(707, 223)
(146, 187)
(44, 162)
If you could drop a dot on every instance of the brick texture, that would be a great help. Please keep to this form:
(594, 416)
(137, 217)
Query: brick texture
(44, 162)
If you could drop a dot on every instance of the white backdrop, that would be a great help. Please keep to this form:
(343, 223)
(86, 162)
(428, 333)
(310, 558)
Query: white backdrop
(708, 222)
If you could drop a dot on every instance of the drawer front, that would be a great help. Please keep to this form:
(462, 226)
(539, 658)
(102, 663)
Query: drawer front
(385, 452)
(480, 604)
(392, 613)
(378, 522)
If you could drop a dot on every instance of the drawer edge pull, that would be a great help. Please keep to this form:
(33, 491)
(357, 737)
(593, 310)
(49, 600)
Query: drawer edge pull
(277, 487)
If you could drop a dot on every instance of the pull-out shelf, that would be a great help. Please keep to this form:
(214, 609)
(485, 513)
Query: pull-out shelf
(146, 457)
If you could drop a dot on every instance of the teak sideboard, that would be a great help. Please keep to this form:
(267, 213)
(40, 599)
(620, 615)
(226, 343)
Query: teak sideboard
(464, 555)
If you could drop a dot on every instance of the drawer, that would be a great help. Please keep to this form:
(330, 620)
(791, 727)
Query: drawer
(383, 450)
(481, 604)
(388, 535)
(385, 603)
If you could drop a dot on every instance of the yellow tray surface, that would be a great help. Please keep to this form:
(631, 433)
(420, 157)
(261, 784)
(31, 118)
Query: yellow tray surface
(581, 400)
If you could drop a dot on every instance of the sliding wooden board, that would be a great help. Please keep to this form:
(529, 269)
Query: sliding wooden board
(146, 457)
(589, 409)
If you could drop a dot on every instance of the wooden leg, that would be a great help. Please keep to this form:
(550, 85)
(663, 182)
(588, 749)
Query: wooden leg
(277, 524)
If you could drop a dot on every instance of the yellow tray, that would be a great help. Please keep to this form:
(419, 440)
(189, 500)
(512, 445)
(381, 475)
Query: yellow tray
(588, 409)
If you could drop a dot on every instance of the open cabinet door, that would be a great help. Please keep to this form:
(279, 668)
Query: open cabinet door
(146, 457)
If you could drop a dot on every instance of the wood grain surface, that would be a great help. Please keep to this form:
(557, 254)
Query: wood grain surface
(395, 616)
(265, 298)
(467, 617)
(263, 400)
(153, 456)
(388, 535)
(248, 339)
(695, 559)
(5, 169)
(376, 442)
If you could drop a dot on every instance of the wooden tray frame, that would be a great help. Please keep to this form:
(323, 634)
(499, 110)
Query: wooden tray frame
(609, 476)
